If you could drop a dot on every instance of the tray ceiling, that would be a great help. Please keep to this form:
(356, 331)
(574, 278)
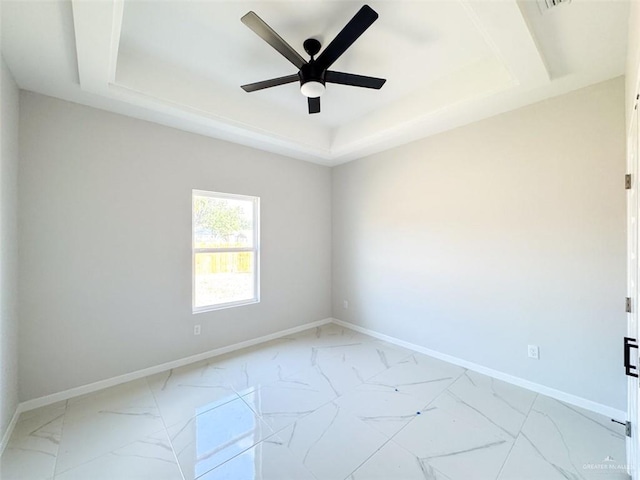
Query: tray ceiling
(181, 63)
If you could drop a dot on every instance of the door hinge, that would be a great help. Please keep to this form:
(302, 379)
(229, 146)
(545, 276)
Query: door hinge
(627, 427)
(627, 181)
(627, 304)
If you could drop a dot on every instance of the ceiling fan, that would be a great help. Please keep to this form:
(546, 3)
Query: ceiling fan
(315, 73)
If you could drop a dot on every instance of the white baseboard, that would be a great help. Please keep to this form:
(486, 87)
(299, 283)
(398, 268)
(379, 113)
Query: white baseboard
(10, 427)
(110, 382)
(520, 382)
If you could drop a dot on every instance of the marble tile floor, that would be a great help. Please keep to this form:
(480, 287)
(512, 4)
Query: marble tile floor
(325, 404)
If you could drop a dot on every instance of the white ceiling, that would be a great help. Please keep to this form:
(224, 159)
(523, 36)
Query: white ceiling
(181, 63)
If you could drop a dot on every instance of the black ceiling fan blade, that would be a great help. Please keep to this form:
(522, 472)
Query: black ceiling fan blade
(314, 105)
(354, 80)
(264, 31)
(274, 82)
(349, 34)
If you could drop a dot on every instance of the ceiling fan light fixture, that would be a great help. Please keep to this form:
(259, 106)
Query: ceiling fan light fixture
(312, 89)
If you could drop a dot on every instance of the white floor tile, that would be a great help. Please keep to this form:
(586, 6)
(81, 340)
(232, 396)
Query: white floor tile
(418, 375)
(332, 443)
(149, 458)
(18, 464)
(99, 423)
(332, 335)
(289, 355)
(252, 368)
(269, 460)
(41, 423)
(366, 358)
(380, 407)
(564, 441)
(213, 437)
(341, 376)
(324, 404)
(283, 402)
(127, 399)
(506, 405)
(456, 440)
(393, 462)
(185, 392)
(33, 447)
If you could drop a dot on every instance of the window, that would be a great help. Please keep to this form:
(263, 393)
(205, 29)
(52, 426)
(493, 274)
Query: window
(226, 250)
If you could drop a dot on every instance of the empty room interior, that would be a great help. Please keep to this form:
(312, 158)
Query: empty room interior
(319, 240)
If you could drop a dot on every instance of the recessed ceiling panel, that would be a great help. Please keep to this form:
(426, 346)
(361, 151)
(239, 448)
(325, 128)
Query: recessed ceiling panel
(412, 44)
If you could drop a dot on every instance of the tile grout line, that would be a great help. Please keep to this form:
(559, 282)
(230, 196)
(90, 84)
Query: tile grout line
(164, 423)
(64, 422)
(535, 399)
(273, 434)
(508, 455)
(369, 457)
(390, 439)
(166, 431)
(429, 403)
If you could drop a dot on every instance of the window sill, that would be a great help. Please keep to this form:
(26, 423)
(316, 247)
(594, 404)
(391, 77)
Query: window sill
(222, 306)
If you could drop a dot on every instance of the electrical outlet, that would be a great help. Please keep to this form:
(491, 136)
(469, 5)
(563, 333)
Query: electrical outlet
(196, 329)
(534, 351)
(345, 304)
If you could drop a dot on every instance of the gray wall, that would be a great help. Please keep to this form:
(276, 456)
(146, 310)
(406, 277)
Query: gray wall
(475, 243)
(8, 247)
(105, 256)
(633, 58)
(504, 233)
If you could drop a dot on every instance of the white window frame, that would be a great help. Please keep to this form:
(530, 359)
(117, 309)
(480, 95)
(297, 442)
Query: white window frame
(255, 249)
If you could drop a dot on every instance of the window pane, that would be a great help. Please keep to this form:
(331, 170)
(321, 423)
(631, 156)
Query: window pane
(222, 222)
(223, 277)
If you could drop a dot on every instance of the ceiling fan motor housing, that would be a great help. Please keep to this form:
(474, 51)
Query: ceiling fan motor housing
(310, 72)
